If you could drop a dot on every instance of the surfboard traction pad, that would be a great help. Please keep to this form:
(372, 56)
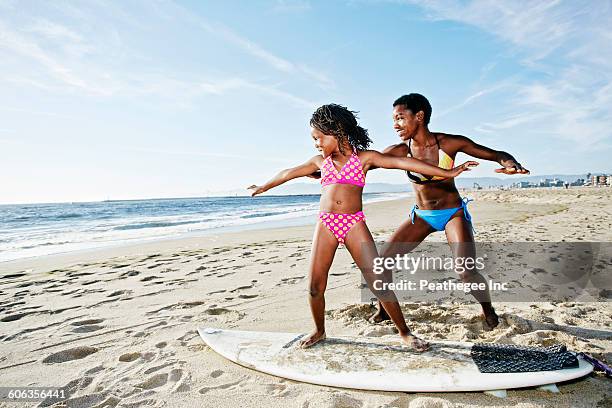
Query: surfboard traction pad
(447, 356)
(510, 358)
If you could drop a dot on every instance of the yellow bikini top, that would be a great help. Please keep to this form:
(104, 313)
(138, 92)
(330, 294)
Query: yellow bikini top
(444, 162)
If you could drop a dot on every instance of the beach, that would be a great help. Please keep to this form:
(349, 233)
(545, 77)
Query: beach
(118, 326)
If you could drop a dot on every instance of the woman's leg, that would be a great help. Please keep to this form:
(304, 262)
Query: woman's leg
(407, 237)
(362, 248)
(459, 235)
(324, 245)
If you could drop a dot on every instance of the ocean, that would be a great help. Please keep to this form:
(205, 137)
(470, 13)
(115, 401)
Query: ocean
(29, 230)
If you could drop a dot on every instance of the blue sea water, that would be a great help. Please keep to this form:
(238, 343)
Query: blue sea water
(28, 230)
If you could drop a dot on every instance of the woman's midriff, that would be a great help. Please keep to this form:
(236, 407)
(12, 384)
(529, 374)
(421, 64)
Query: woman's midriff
(437, 196)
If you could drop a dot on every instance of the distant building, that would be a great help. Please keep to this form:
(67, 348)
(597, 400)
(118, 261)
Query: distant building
(578, 182)
(600, 180)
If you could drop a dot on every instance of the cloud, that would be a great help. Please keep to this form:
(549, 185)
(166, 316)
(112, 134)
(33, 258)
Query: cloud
(67, 56)
(12, 41)
(569, 42)
(475, 96)
(254, 49)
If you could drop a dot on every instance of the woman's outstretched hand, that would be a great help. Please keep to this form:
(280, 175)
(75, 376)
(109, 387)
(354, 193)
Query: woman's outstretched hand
(463, 167)
(256, 190)
(512, 167)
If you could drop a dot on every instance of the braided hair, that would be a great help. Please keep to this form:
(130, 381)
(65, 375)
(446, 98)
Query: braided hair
(337, 120)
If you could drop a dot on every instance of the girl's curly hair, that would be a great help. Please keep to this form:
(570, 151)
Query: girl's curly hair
(337, 120)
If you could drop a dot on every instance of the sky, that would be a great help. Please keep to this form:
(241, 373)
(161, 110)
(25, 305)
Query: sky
(142, 99)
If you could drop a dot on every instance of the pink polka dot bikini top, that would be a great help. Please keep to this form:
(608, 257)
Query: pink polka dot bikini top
(350, 173)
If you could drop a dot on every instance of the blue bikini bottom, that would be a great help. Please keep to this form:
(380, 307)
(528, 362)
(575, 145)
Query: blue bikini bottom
(439, 218)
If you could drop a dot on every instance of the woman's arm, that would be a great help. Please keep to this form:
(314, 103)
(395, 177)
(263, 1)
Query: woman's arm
(387, 161)
(509, 163)
(288, 174)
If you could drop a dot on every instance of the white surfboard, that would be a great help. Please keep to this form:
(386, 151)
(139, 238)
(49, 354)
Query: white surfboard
(369, 363)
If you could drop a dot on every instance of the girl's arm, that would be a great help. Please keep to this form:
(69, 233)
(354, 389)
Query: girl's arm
(283, 176)
(387, 161)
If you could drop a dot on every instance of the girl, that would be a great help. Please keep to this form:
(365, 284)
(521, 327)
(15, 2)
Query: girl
(344, 162)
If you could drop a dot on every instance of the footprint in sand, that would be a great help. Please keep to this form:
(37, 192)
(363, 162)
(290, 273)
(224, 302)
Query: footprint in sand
(119, 266)
(87, 329)
(87, 322)
(156, 381)
(129, 357)
(79, 274)
(9, 306)
(219, 387)
(157, 368)
(241, 288)
(290, 281)
(216, 373)
(13, 276)
(278, 390)
(76, 353)
(154, 266)
(12, 318)
(216, 311)
(129, 273)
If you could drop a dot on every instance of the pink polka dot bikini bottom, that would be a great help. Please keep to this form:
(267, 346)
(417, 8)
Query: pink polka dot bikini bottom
(340, 224)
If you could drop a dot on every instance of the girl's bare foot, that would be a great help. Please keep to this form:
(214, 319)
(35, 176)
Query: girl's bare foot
(312, 339)
(415, 343)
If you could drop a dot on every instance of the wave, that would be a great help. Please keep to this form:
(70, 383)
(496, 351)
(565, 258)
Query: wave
(265, 214)
(158, 224)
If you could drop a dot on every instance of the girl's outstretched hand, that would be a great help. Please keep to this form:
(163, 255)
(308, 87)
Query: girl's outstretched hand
(463, 167)
(256, 190)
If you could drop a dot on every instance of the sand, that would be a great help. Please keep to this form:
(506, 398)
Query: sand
(117, 326)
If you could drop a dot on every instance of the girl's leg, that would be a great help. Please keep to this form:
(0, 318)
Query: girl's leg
(362, 248)
(407, 237)
(324, 245)
(459, 235)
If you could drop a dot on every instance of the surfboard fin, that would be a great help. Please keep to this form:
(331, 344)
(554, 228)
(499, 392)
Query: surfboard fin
(497, 393)
(550, 388)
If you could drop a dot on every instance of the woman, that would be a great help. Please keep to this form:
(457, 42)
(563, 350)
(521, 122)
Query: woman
(439, 207)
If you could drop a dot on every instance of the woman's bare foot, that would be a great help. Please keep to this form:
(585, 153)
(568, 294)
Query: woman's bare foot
(415, 343)
(491, 320)
(490, 317)
(380, 316)
(312, 339)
